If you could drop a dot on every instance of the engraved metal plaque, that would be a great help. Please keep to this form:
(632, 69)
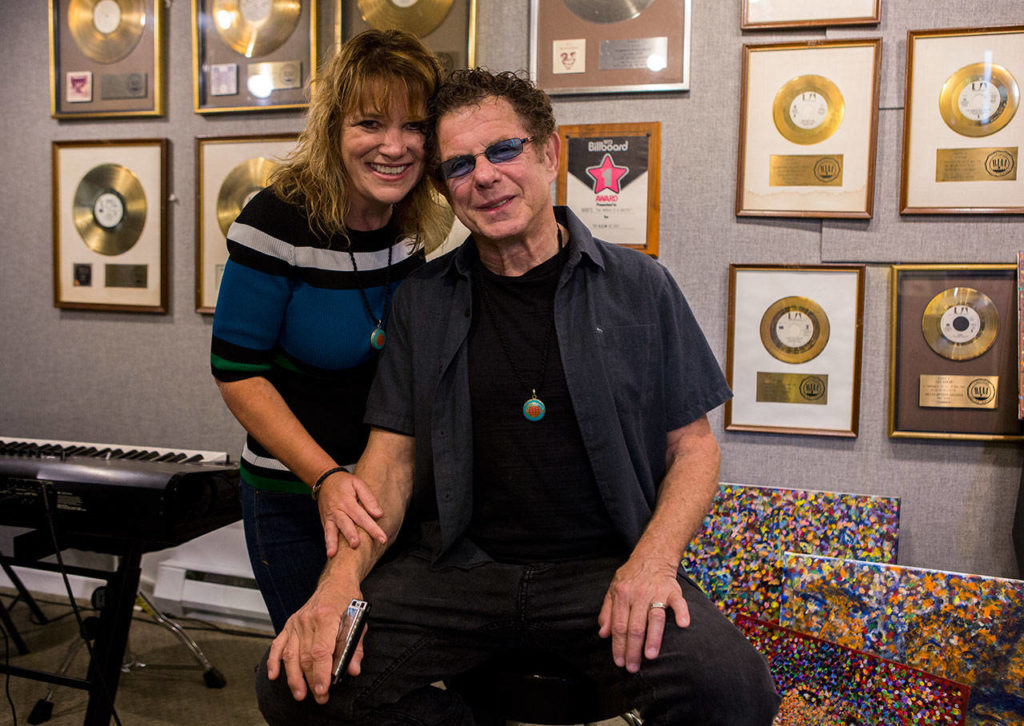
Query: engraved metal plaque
(958, 391)
(805, 170)
(276, 76)
(126, 276)
(773, 387)
(632, 53)
(983, 164)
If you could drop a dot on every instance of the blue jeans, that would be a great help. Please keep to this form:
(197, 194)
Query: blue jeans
(429, 624)
(286, 548)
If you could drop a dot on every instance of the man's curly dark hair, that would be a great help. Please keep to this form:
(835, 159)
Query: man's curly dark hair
(470, 87)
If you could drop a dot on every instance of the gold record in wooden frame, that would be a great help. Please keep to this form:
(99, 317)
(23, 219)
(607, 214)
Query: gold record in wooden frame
(109, 209)
(960, 323)
(979, 99)
(808, 109)
(239, 186)
(794, 329)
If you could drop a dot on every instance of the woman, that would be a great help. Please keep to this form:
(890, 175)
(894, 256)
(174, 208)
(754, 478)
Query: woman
(313, 260)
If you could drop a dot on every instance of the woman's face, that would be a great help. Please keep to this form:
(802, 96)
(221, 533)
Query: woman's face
(383, 155)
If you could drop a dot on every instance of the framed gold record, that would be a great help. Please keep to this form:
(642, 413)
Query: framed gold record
(979, 99)
(250, 55)
(808, 109)
(953, 371)
(230, 170)
(110, 225)
(776, 14)
(106, 58)
(794, 348)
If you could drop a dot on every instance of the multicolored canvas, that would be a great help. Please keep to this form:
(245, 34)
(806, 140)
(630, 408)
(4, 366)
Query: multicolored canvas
(968, 628)
(736, 556)
(824, 684)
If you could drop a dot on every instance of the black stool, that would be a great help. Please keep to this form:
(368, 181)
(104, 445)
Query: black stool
(538, 688)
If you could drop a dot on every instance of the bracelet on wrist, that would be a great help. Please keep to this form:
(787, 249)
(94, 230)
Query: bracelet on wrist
(323, 477)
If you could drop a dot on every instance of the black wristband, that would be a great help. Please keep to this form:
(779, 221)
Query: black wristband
(323, 478)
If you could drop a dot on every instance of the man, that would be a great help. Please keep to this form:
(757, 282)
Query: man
(540, 437)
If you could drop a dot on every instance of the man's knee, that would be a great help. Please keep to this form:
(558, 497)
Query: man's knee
(279, 707)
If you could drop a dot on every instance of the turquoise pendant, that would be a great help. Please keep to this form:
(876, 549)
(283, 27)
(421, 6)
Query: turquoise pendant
(534, 408)
(378, 338)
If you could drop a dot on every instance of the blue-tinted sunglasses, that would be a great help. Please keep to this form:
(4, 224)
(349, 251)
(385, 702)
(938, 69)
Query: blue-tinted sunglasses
(496, 153)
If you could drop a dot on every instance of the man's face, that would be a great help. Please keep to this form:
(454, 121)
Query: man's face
(504, 201)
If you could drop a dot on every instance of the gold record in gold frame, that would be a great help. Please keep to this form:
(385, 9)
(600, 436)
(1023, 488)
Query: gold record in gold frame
(979, 99)
(960, 323)
(255, 28)
(106, 30)
(109, 209)
(794, 329)
(808, 109)
(239, 186)
(419, 17)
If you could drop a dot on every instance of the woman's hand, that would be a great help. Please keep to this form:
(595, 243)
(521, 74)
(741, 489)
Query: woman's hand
(346, 506)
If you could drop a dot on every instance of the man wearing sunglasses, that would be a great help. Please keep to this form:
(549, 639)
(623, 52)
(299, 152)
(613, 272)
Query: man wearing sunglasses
(542, 455)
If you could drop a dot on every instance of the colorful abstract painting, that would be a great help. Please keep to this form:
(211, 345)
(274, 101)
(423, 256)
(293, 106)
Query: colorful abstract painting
(824, 684)
(967, 628)
(736, 556)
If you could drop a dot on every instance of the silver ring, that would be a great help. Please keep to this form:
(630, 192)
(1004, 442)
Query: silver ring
(656, 606)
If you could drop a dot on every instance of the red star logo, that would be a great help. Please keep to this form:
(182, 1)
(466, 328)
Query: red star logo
(606, 175)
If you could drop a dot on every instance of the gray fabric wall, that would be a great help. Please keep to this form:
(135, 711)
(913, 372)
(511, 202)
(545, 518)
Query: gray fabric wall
(144, 379)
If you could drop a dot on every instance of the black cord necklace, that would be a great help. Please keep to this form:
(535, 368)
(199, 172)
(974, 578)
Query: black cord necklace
(534, 409)
(378, 337)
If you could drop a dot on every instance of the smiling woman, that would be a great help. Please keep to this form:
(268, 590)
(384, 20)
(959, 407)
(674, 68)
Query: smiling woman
(304, 299)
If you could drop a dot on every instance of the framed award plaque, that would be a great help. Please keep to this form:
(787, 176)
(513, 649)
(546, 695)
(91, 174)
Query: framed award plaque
(953, 373)
(771, 14)
(110, 225)
(794, 348)
(229, 172)
(106, 58)
(250, 55)
(447, 27)
(808, 128)
(609, 174)
(962, 128)
(583, 46)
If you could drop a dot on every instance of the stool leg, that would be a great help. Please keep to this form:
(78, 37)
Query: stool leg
(211, 676)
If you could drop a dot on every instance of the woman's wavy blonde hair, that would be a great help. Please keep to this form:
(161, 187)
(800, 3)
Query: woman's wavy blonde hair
(367, 75)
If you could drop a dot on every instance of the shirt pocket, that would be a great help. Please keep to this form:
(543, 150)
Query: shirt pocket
(625, 352)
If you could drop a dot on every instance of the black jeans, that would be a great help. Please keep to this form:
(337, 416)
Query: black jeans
(428, 625)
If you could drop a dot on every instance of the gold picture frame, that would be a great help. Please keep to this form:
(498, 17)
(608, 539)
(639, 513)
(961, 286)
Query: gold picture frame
(778, 14)
(808, 129)
(582, 47)
(794, 347)
(229, 171)
(610, 176)
(953, 367)
(962, 126)
(106, 58)
(242, 64)
(110, 225)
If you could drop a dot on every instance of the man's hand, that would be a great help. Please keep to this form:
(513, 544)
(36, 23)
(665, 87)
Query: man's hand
(305, 647)
(627, 615)
(346, 505)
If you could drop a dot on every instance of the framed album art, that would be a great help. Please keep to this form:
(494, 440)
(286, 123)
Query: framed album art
(962, 132)
(794, 348)
(808, 129)
(230, 170)
(953, 372)
(110, 225)
(609, 174)
(581, 46)
(250, 56)
(771, 14)
(447, 27)
(106, 58)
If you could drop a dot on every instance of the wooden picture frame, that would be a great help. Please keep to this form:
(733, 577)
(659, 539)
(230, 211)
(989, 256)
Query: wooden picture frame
(106, 59)
(953, 368)
(794, 348)
(808, 129)
(582, 47)
(610, 176)
(235, 68)
(229, 171)
(778, 14)
(110, 225)
(962, 125)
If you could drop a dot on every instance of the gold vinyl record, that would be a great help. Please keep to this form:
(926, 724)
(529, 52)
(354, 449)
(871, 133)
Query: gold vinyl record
(255, 28)
(106, 30)
(794, 329)
(960, 323)
(979, 99)
(808, 109)
(419, 17)
(607, 11)
(109, 209)
(239, 186)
